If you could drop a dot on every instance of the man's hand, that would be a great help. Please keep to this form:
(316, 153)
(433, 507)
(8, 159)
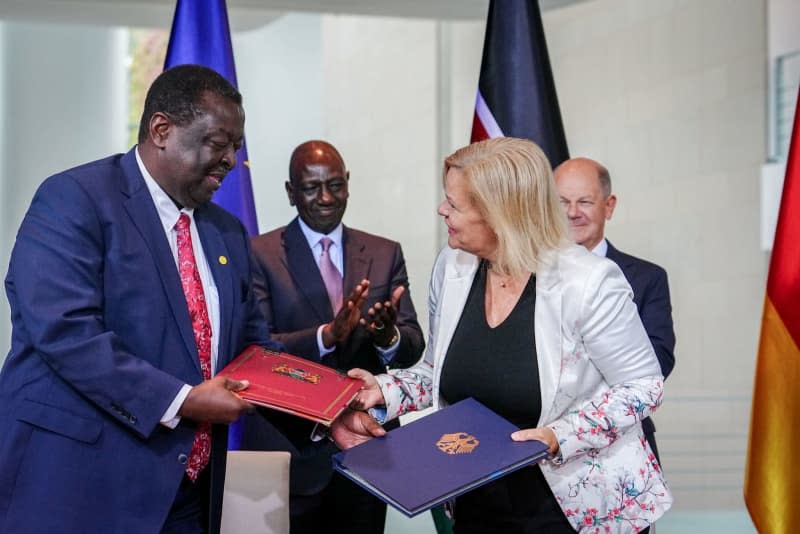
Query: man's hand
(352, 428)
(382, 318)
(214, 401)
(338, 330)
(542, 433)
(370, 394)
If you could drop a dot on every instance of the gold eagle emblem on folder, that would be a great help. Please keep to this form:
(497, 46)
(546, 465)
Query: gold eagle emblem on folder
(457, 443)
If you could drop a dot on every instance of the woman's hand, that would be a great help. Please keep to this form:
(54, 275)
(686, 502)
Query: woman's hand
(370, 394)
(542, 433)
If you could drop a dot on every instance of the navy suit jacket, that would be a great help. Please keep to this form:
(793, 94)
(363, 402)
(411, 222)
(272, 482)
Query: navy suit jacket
(101, 344)
(651, 295)
(294, 301)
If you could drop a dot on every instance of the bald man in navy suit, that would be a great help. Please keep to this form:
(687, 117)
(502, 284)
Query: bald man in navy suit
(584, 186)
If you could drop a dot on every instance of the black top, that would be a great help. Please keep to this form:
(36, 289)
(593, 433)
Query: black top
(497, 366)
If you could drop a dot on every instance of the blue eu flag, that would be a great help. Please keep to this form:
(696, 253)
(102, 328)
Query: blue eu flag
(200, 35)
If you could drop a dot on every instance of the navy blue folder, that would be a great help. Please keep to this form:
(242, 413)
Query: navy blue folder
(438, 457)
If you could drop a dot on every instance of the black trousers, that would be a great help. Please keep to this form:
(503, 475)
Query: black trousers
(342, 507)
(189, 512)
(518, 503)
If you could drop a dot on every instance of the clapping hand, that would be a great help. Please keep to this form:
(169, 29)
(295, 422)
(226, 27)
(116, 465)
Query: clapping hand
(347, 318)
(382, 317)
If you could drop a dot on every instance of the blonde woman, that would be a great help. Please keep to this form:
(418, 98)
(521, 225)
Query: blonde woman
(544, 333)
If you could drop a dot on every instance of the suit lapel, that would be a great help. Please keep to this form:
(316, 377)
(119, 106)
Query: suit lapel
(144, 216)
(630, 268)
(547, 328)
(618, 257)
(547, 318)
(303, 269)
(218, 258)
(455, 290)
(356, 261)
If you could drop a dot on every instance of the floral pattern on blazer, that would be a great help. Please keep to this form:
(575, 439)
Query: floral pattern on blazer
(599, 377)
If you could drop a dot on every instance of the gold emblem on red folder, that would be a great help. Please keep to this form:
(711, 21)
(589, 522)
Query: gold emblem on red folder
(457, 443)
(297, 373)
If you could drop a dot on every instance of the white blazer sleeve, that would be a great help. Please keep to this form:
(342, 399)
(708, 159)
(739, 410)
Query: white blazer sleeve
(615, 342)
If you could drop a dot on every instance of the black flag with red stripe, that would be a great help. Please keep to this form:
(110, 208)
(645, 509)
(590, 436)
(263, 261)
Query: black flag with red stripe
(516, 92)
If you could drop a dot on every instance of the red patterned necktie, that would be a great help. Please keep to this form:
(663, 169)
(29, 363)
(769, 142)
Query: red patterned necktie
(198, 312)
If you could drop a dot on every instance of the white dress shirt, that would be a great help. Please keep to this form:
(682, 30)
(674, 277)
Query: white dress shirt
(601, 249)
(169, 213)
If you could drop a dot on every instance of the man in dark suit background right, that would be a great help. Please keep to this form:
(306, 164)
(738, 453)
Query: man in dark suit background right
(584, 186)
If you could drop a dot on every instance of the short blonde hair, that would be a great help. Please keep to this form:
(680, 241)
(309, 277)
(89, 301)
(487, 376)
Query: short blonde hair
(511, 184)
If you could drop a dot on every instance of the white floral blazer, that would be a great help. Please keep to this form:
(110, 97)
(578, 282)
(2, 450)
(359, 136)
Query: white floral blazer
(599, 378)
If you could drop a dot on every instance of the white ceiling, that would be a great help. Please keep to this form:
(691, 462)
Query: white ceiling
(244, 14)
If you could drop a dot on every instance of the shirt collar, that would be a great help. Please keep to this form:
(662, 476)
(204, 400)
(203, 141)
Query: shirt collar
(313, 236)
(168, 212)
(601, 249)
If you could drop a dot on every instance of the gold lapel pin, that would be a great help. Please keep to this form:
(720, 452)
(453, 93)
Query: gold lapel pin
(223, 260)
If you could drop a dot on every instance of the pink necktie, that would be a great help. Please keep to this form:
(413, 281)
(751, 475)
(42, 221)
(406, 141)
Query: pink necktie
(198, 312)
(330, 275)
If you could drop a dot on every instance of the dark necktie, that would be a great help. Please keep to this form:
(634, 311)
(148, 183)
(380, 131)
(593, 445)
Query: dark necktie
(330, 275)
(198, 312)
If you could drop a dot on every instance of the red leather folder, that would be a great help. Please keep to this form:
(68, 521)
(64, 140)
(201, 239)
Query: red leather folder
(291, 384)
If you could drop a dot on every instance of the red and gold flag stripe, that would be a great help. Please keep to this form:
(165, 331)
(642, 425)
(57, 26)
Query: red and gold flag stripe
(772, 474)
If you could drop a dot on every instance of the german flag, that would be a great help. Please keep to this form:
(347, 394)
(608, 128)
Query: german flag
(772, 475)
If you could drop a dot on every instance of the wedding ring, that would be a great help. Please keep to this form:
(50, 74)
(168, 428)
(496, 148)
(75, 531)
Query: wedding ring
(379, 326)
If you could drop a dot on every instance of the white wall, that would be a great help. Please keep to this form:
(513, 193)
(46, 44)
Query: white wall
(62, 105)
(782, 23)
(782, 39)
(279, 70)
(380, 110)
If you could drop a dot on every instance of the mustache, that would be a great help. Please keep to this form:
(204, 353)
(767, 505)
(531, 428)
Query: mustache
(220, 170)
